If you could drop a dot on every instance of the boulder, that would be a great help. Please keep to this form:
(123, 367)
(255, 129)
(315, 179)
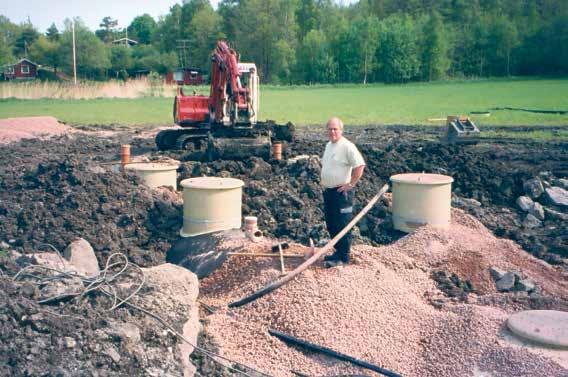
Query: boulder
(53, 260)
(562, 182)
(525, 203)
(537, 210)
(82, 257)
(174, 295)
(531, 222)
(497, 273)
(525, 285)
(533, 188)
(506, 283)
(557, 196)
(555, 214)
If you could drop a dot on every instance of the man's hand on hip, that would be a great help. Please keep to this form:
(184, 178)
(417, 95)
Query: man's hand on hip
(345, 188)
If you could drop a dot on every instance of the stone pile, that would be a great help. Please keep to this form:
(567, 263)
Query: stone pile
(513, 281)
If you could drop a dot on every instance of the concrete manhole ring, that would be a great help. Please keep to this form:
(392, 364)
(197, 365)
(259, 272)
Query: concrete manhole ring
(549, 327)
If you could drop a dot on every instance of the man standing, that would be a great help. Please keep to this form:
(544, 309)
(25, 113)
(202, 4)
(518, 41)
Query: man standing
(342, 167)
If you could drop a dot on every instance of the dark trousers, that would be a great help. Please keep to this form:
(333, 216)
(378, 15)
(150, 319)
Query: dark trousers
(338, 210)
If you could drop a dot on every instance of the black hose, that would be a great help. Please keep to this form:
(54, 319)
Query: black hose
(328, 351)
(538, 111)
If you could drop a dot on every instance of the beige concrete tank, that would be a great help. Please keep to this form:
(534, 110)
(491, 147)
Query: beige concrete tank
(157, 173)
(419, 199)
(211, 204)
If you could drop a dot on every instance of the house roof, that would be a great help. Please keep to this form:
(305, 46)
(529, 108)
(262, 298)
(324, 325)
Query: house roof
(19, 61)
(127, 40)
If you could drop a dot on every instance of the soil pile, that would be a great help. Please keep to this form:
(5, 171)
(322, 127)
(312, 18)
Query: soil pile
(54, 192)
(15, 129)
(383, 309)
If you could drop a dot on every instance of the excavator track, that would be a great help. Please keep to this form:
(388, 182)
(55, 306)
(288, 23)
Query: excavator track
(224, 142)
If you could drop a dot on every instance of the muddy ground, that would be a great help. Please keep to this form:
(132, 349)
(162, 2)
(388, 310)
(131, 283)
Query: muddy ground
(54, 191)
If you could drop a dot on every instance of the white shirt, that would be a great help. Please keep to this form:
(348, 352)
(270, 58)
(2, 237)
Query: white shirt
(339, 160)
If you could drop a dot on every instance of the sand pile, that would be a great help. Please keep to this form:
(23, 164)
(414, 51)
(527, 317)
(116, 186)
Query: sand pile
(379, 309)
(15, 129)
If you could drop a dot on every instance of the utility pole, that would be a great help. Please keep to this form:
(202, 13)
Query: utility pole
(74, 55)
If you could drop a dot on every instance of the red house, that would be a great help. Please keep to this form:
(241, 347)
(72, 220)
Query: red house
(24, 69)
(185, 76)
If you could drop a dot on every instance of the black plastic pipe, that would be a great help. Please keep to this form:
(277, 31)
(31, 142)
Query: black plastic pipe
(328, 351)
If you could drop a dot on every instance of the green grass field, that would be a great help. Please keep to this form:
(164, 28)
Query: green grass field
(356, 104)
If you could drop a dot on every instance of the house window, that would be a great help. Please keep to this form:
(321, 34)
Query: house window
(10, 70)
(25, 69)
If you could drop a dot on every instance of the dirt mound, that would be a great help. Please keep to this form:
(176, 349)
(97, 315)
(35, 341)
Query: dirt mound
(81, 334)
(58, 194)
(379, 309)
(15, 129)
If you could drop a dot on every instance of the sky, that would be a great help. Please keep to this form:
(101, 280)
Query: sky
(43, 13)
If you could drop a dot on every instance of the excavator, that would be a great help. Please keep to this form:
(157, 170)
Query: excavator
(224, 125)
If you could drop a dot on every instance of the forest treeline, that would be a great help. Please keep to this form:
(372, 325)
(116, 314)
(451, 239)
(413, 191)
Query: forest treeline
(316, 41)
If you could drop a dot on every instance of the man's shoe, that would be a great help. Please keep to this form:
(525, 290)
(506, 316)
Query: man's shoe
(331, 258)
(333, 263)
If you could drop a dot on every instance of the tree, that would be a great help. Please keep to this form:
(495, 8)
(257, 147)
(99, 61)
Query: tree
(8, 32)
(205, 30)
(92, 55)
(436, 46)
(120, 59)
(25, 38)
(398, 50)
(108, 29)
(257, 37)
(168, 30)
(366, 39)
(52, 33)
(142, 28)
(46, 52)
(316, 62)
(307, 15)
(503, 38)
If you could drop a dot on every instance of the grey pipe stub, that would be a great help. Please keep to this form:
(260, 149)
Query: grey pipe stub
(548, 327)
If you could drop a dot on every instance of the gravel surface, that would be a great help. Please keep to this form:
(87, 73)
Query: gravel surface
(385, 309)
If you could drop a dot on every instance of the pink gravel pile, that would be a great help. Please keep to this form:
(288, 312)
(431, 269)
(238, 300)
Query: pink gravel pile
(379, 309)
(15, 129)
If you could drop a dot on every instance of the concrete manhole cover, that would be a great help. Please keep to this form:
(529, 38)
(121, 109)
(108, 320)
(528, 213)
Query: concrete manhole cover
(549, 327)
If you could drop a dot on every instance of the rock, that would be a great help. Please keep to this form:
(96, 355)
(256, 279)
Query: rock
(525, 285)
(525, 203)
(562, 182)
(58, 290)
(4, 246)
(69, 342)
(555, 214)
(112, 353)
(497, 273)
(176, 289)
(557, 196)
(53, 260)
(465, 202)
(506, 283)
(259, 168)
(531, 222)
(533, 188)
(537, 210)
(295, 159)
(81, 255)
